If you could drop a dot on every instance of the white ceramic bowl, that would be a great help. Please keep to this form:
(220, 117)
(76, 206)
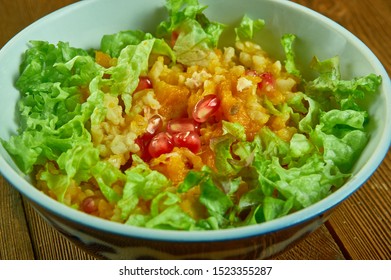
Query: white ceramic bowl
(83, 24)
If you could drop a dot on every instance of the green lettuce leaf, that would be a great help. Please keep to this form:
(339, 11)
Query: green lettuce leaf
(274, 208)
(247, 27)
(235, 129)
(52, 118)
(113, 44)
(215, 195)
(308, 123)
(300, 146)
(342, 136)
(38, 68)
(192, 179)
(132, 62)
(172, 217)
(308, 183)
(287, 41)
(165, 214)
(78, 161)
(57, 182)
(272, 145)
(106, 175)
(333, 92)
(141, 183)
(194, 35)
(215, 200)
(221, 146)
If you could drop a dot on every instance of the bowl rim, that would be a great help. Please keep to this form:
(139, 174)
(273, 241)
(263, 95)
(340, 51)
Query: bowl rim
(317, 209)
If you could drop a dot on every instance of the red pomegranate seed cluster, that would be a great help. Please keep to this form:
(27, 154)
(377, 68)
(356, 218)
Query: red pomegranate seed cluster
(180, 132)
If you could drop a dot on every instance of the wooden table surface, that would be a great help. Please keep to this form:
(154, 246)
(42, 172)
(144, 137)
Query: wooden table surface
(360, 228)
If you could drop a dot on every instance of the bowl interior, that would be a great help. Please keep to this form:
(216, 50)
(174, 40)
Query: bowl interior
(83, 24)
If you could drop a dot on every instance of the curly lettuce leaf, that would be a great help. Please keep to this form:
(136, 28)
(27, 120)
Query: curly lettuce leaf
(53, 82)
(247, 27)
(192, 35)
(341, 134)
(221, 146)
(132, 62)
(215, 196)
(41, 67)
(310, 182)
(113, 44)
(311, 119)
(331, 91)
(300, 146)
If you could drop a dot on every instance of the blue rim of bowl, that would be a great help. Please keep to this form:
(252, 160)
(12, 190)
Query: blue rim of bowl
(317, 209)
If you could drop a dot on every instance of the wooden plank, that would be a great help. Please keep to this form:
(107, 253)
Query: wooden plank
(362, 224)
(15, 242)
(319, 245)
(48, 243)
(28, 11)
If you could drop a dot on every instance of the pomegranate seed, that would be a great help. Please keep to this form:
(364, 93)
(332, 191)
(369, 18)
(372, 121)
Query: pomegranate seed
(143, 83)
(188, 139)
(267, 82)
(143, 142)
(181, 125)
(155, 123)
(161, 143)
(88, 205)
(205, 108)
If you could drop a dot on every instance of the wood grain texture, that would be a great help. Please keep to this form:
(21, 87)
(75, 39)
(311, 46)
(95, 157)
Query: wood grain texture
(362, 224)
(319, 245)
(48, 243)
(17, 14)
(360, 228)
(15, 242)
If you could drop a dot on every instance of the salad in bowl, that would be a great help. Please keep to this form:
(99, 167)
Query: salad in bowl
(172, 130)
